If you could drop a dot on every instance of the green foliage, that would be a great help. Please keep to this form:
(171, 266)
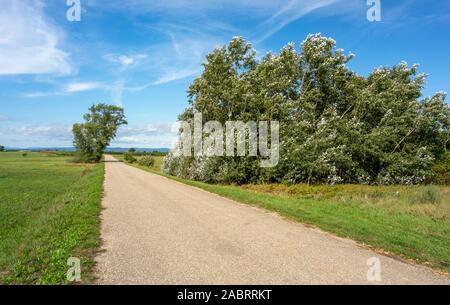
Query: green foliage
(336, 126)
(132, 150)
(2, 148)
(101, 124)
(129, 157)
(147, 161)
(441, 171)
(24, 154)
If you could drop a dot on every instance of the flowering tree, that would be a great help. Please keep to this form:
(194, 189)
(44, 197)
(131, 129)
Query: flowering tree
(336, 126)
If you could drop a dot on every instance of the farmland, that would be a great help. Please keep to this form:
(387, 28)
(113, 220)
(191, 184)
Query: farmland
(49, 210)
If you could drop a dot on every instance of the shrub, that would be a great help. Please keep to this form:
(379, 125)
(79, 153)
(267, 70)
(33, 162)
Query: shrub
(24, 154)
(147, 161)
(129, 158)
(441, 171)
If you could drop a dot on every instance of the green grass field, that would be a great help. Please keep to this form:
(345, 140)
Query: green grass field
(410, 222)
(49, 212)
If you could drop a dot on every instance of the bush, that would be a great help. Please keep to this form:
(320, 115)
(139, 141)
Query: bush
(129, 158)
(147, 161)
(441, 171)
(24, 154)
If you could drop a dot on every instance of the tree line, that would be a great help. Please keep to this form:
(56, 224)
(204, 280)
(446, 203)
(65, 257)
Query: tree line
(335, 126)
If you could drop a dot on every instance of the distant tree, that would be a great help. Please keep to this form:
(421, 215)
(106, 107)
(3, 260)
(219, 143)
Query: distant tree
(2, 148)
(100, 127)
(132, 150)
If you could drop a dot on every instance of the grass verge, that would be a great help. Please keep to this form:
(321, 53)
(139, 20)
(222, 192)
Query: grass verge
(49, 212)
(410, 222)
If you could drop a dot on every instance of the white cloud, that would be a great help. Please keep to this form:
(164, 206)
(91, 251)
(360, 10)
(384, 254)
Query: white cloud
(79, 87)
(54, 131)
(68, 89)
(174, 75)
(29, 43)
(125, 60)
(150, 129)
(290, 12)
(42, 94)
(36, 134)
(160, 135)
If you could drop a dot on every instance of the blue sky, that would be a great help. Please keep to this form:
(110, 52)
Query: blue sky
(142, 54)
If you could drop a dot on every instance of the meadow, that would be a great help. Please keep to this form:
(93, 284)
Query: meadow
(408, 222)
(49, 212)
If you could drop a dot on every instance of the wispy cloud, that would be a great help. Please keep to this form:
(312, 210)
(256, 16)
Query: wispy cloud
(181, 54)
(36, 134)
(178, 58)
(265, 18)
(125, 60)
(41, 94)
(68, 89)
(80, 87)
(170, 76)
(29, 43)
(152, 135)
(291, 11)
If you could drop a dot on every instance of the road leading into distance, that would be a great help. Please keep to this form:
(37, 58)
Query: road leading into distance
(158, 231)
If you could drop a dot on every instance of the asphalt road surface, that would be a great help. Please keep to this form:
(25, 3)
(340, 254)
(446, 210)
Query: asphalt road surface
(158, 231)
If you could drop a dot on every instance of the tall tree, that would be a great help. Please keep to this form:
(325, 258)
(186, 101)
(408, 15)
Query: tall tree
(92, 137)
(335, 125)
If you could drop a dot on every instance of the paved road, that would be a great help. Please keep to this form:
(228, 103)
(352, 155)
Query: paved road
(157, 231)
